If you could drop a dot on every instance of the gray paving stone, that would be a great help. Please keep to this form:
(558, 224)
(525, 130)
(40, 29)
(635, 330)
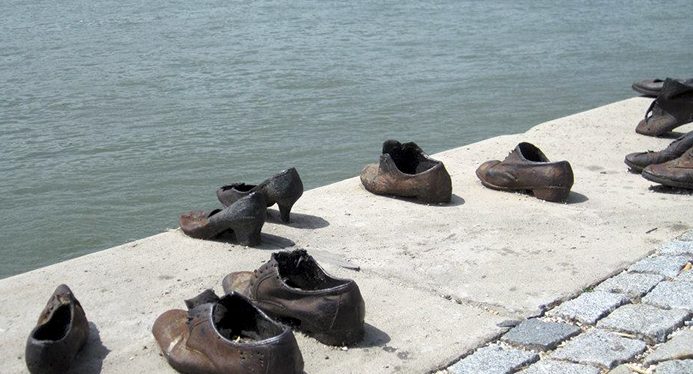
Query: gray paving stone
(671, 295)
(679, 346)
(677, 247)
(599, 347)
(493, 359)
(537, 334)
(675, 367)
(621, 369)
(589, 307)
(685, 276)
(686, 236)
(667, 266)
(631, 284)
(554, 367)
(646, 321)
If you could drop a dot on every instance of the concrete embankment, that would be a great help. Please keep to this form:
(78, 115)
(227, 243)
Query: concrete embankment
(436, 279)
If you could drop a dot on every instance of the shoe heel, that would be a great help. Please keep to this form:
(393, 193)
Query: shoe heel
(554, 194)
(285, 210)
(339, 337)
(247, 233)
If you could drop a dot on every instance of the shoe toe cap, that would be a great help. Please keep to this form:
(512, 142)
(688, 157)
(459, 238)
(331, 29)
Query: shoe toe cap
(483, 170)
(237, 282)
(169, 329)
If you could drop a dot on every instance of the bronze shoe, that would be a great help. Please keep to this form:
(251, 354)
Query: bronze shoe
(244, 219)
(671, 109)
(61, 331)
(405, 170)
(227, 335)
(675, 173)
(652, 87)
(638, 161)
(527, 169)
(284, 189)
(294, 289)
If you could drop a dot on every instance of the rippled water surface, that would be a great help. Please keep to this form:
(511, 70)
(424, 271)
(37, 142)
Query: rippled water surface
(117, 116)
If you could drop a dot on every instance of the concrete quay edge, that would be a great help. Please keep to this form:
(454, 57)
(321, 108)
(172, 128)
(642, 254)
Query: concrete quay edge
(436, 279)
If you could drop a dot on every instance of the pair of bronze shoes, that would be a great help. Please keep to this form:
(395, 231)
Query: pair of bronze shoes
(672, 108)
(60, 333)
(527, 169)
(245, 209)
(239, 332)
(672, 166)
(406, 170)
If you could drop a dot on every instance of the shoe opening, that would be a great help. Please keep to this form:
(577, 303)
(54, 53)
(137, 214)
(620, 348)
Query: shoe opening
(57, 327)
(299, 270)
(238, 187)
(532, 153)
(409, 158)
(237, 320)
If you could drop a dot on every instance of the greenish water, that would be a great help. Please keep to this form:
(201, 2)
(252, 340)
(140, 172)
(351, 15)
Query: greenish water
(117, 116)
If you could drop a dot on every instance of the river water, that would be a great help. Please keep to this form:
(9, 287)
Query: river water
(117, 116)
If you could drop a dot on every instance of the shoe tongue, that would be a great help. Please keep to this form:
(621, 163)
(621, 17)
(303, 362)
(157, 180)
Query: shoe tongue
(515, 155)
(207, 296)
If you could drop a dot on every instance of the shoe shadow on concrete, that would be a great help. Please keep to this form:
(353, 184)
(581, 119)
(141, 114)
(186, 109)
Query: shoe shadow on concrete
(576, 198)
(267, 241)
(90, 358)
(298, 220)
(670, 190)
(454, 201)
(373, 337)
(274, 242)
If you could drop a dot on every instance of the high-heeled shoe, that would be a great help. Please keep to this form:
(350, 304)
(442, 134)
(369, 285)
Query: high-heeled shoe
(244, 218)
(284, 189)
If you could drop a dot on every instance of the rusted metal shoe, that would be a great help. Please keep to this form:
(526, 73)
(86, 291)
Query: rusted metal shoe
(284, 189)
(527, 169)
(244, 219)
(675, 173)
(639, 160)
(405, 170)
(227, 335)
(671, 109)
(61, 331)
(294, 289)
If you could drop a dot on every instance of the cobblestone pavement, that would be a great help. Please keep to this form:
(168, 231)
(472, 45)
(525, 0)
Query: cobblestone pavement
(639, 321)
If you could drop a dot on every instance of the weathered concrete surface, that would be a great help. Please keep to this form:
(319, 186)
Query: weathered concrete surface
(496, 255)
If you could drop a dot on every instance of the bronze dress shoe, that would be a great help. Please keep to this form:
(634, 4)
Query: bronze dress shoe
(405, 170)
(243, 219)
(651, 87)
(284, 189)
(675, 173)
(639, 160)
(294, 289)
(227, 335)
(60, 333)
(671, 109)
(527, 169)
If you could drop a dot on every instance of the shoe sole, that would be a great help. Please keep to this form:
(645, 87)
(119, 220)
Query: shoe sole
(633, 167)
(645, 91)
(666, 182)
(553, 194)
